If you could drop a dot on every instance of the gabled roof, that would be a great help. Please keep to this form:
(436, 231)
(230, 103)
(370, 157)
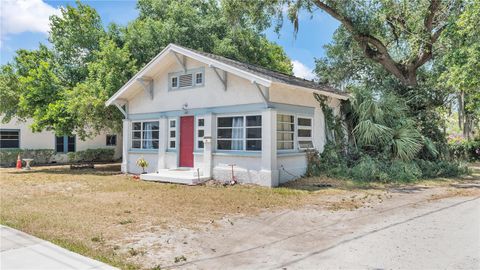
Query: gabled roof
(251, 72)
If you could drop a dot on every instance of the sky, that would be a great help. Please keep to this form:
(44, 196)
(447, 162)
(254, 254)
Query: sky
(24, 25)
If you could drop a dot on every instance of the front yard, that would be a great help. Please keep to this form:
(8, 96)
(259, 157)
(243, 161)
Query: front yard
(107, 216)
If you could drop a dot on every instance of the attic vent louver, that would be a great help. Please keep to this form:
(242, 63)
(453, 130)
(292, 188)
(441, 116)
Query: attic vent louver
(186, 80)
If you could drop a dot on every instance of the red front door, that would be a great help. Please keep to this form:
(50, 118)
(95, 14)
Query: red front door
(186, 141)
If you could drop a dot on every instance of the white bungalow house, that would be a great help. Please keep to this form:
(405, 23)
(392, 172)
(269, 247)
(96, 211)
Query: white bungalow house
(195, 116)
(17, 135)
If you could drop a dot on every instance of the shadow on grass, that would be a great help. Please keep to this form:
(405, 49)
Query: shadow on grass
(100, 169)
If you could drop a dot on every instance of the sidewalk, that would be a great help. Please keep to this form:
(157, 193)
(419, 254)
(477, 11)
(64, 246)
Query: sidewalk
(19, 250)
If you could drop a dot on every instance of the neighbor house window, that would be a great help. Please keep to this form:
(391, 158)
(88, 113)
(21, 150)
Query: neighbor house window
(304, 132)
(9, 138)
(285, 131)
(239, 133)
(145, 135)
(172, 134)
(65, 144)
(190, 78)
(200, 132)
(111, 140)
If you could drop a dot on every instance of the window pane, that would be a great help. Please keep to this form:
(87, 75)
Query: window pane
(285, 127)
(172, 123)
(172, 144)
(237, 144)
(155, 134)
(304, 122)
(254, 132)
(284, 145)
(285, 118)
(174, 82)
(136, 126)
(147, 144)
(224, 145)
(284, 136)
(304, 133)
(224, 133)
(254, 145)
(173, 133)
(71, 139)
(155, 144)
(10, 144)
(59, 144)
(71, 147)
(137, 135)
(150, 125)
(305, 144)
(199, 78)
(225, 121)
(111, 140)
(201, 122)
(255, 120)
(200, 144)
(136, 144)
(9, 135)
(201, 133)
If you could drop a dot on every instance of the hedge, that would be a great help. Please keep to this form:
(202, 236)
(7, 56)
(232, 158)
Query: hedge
(92, 155)
(465, 150)
(8, 157)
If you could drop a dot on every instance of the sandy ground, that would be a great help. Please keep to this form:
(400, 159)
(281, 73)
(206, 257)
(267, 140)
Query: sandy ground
(404, 228)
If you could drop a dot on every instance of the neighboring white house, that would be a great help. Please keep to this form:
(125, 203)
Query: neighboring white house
(188, 111)
(18, 135)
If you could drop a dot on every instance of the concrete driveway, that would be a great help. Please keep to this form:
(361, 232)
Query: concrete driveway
(19, 250)
(414, 229)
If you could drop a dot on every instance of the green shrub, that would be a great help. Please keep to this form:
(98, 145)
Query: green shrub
(8, 157)
(465, 150)
(92, 155)
(361, 166)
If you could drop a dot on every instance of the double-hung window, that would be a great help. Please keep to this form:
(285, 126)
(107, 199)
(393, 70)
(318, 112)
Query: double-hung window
(65, 144)
(172, 134)
(200, 132)
(145, 135)
(285, 131)
(239, 133)
(304, 132)
(9, 138)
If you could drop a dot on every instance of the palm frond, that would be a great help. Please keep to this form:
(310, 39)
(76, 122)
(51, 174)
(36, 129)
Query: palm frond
(367, 132)
(406, 142)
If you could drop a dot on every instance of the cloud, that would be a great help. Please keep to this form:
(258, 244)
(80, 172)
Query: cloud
(302, 71)
(18, 16)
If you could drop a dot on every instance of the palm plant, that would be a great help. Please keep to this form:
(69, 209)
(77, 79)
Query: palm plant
(382, 125)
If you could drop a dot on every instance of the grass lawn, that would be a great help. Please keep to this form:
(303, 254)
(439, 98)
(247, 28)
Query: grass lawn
(91, 211)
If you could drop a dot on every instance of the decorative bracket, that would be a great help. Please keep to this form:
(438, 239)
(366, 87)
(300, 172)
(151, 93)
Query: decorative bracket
(265, 95)
(223, 78)
(119, 104)
(181, 61)
(147, 84)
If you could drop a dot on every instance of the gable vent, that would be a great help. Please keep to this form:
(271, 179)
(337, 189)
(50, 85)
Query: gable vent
(186, 80)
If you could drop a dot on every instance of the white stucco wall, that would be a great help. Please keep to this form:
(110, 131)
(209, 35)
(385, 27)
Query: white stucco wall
(46, 140)
(212, 94)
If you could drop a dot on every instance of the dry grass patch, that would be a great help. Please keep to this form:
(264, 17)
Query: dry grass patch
(88, 211)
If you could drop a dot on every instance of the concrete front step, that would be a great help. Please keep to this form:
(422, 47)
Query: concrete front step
(178, 176)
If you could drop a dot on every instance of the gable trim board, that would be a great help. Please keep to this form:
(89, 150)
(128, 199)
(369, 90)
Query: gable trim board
(215, 64)
(243, 109)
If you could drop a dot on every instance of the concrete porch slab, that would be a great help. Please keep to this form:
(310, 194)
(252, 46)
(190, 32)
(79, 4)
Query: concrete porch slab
(177, 176)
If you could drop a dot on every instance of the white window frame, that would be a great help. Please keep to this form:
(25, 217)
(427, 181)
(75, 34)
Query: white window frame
(244, 139)
(171, 82)
(301, 127)
(197, 129)
(195, 79)
(141, 135)
(172, 139)
(294, 132)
